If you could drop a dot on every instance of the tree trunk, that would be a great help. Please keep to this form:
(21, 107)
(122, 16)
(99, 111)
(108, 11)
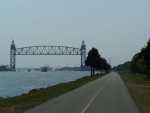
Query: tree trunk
(91, 71)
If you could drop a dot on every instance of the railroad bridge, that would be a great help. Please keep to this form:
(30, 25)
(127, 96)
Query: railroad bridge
(46, 50)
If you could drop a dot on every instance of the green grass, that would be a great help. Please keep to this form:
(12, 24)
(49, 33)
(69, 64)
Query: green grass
(139, 87)
(24, 102)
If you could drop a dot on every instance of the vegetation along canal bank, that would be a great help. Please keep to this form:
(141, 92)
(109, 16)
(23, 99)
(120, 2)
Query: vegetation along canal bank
(136, 74)
(24, 102)
(139, 88)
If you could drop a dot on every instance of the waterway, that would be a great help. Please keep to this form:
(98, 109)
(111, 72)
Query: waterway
(17, 83)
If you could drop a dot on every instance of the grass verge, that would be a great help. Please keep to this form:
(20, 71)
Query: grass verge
(19, 104)
(139, 87)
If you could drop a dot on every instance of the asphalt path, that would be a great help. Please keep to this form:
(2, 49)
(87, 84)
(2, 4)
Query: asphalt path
(105, 95)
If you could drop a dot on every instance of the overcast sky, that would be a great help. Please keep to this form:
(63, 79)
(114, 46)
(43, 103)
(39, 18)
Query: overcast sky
(118, 28)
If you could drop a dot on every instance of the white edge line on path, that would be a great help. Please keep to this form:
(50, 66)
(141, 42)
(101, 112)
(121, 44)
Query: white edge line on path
(92, 100)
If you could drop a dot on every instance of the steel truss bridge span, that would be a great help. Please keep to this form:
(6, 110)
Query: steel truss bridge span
(46, 50)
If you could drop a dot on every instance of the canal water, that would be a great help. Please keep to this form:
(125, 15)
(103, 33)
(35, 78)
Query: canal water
(17, 83)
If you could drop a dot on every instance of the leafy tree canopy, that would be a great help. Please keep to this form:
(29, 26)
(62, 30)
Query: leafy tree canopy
(141, 61)
(96, 62)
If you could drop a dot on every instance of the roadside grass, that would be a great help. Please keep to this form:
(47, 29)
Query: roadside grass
(19, 104)
(139, 87)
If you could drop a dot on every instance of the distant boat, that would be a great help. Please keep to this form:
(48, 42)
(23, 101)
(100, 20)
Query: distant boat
(44, 69)
(29, 70)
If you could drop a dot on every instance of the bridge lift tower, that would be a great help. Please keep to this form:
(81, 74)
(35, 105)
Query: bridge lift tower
(83, 54)
(13, 56)
(46, 50)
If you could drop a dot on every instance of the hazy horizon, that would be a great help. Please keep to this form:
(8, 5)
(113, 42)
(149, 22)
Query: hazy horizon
(118, 28)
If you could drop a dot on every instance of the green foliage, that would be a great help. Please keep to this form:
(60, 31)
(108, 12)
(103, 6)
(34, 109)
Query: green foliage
(96, 62)
(125, 67)
(146, 53)
(139, 89)
(92, 60)
(103, 65)
(141, 61)
(138, 64)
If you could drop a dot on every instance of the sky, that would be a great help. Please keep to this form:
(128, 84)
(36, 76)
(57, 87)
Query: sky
(117, 28)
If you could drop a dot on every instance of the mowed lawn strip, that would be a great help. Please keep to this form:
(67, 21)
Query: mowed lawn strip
(24, 102)
(139, 87)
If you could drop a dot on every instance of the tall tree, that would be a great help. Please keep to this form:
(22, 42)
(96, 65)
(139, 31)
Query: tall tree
(147, 56)
(141, 61)
(96, 62)
(92, 60)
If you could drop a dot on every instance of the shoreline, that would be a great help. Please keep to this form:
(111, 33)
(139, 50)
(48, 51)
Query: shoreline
(18, 83)
(35, 97)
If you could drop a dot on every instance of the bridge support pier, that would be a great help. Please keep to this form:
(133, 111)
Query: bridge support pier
(13, 57)
(83, 54)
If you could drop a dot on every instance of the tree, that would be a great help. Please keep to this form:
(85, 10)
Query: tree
(141, 61)
(92, 60)
(147, 56)
(96, 62)
(138, 64)
(104, 65)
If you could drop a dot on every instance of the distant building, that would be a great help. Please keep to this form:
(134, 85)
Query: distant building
(4, 68)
